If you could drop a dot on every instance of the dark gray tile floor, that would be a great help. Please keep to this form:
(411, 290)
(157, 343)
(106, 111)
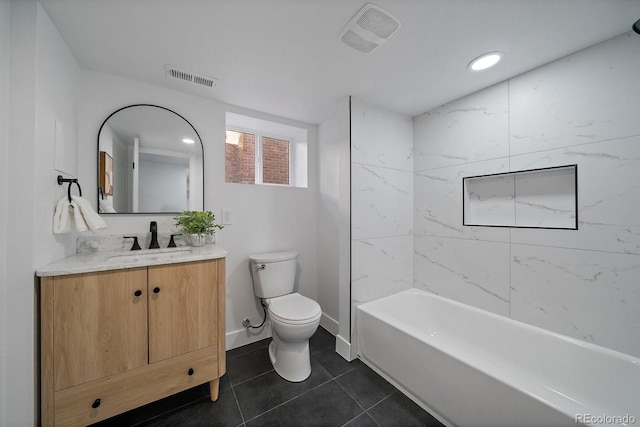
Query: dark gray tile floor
(338, 393)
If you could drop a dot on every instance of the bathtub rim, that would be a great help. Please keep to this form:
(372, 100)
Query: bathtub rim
(537, 329)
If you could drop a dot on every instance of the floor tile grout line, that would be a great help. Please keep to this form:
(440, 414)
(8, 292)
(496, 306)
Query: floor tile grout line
(235, 397)
(252, 378)
(289, 400)
(346, 372)
(304, 392)
(364, 411)
(246, 353)
(338, 375)
(349, 394)
(376, 404)
(331, 377)
(361, 414)
(372, 406)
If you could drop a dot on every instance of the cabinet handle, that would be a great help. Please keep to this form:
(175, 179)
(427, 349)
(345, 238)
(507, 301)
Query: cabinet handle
(96, 403)
(138, 293)
(156, 290)
(191, 371)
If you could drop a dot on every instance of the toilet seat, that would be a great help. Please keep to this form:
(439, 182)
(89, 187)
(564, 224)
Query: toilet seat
(294, 309)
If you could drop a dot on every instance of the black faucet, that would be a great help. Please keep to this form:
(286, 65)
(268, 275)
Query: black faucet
(153, 228)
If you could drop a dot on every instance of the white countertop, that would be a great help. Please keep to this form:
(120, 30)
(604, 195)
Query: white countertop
(109, 260)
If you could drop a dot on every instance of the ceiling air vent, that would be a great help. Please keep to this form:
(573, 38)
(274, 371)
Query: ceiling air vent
(369, 28)
(177, 73)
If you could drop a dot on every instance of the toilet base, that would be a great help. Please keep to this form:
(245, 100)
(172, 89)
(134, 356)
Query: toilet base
(291, 361)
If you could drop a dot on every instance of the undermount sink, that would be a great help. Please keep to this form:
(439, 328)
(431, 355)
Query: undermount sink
(134, 256)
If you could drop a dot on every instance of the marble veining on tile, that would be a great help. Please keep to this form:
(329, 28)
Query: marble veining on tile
(382, 202)
(470, 271)
(438, 202)
(588, 295)
(472, 129)
(550, 107)
(608, 196)
(381, 137)
(380, 267)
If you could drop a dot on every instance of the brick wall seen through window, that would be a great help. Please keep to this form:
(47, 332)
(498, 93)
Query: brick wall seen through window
(240, 158)
(275, 161)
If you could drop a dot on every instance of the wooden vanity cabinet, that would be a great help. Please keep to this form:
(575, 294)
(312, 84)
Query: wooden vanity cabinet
(115, 340)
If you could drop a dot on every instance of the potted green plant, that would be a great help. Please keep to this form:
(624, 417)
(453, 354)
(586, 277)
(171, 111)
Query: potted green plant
(197, 224)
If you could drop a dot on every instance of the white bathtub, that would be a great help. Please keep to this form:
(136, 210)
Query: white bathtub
(469, 367)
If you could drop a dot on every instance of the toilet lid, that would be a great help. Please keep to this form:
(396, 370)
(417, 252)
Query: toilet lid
(294, 308)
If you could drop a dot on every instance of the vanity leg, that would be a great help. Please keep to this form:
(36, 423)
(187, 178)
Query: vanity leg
(213, 389)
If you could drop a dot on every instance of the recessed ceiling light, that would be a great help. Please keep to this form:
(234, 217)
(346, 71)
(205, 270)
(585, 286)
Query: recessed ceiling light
(188, 141)
(485, 61)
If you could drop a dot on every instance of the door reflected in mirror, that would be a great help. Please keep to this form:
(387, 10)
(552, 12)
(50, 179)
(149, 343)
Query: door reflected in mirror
(150, 160)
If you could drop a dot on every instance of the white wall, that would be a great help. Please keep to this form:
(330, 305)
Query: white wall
(56, 96)
(20, 333)
(266, 218)
(5, 49)
(42, 78)
(381, 203)
(582, 109)
(334, 221)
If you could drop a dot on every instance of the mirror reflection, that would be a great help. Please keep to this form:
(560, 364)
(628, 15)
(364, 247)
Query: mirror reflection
(150, 160)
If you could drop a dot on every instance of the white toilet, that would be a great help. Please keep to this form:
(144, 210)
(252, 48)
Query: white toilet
(294, 318)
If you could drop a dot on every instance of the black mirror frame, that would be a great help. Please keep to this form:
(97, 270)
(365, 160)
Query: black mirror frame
(98, 160)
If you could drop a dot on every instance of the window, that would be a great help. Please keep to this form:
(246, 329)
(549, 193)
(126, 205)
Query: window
(275, 161)
(261, 152)
(240, 157)
(266, 162)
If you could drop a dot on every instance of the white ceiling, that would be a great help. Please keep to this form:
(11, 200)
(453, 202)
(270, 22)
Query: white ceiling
(284, 57)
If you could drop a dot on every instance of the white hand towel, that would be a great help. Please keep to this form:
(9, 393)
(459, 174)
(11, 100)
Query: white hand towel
(78, 219)
(61, 218)
(91, 219)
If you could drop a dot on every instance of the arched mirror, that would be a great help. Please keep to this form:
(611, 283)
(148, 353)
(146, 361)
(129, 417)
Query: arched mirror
(150, 160)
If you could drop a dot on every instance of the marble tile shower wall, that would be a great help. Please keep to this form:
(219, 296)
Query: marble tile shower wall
(381, 202)
(578, 110)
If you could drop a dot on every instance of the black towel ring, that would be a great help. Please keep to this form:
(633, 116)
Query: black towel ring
(62, 180)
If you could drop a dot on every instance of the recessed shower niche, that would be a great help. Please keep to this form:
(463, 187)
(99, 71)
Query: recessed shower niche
(535, 198)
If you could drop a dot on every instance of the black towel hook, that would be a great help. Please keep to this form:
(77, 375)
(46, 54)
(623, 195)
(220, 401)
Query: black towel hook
(62, 180)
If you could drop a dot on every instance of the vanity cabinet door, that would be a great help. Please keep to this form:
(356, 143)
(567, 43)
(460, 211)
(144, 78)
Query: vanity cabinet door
(183, 308)
(99, 326)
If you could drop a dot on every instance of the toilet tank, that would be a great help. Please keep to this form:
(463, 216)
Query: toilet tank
(273, 273)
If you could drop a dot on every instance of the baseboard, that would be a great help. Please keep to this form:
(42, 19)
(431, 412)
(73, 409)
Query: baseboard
(246, 336)
(345, 349)
(243, 336)
(330, 324)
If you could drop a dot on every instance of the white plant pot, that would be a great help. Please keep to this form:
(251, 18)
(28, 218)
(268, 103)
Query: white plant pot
(197, 240)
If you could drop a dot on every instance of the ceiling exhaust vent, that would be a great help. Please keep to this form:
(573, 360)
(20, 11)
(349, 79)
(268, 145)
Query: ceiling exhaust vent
(177, 73)
(369, 28)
